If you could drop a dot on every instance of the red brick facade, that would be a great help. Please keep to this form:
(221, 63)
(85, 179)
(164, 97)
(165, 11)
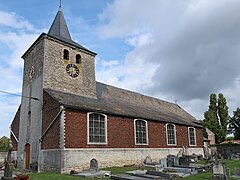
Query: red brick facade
(50, 109)
(120, 130)
(120, 133)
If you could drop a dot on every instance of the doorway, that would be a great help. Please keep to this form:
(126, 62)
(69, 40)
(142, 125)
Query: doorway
(27, 156)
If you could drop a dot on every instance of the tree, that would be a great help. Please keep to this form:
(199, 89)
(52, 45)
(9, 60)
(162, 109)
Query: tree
(234, 124)
(4, 141)
(223, 113)
(216, 118)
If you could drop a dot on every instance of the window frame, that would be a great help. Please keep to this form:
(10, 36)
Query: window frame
(175, 134)
(105, 126)
(189, 140)
(135, 132)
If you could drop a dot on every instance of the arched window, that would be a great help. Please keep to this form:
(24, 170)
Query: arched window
(97, 128)
(66, 54)
(192, 136)
(78, 58)
(141, 132)
(171, 134)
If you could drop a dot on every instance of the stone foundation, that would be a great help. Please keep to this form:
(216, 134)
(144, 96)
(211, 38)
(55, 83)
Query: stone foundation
(79, 159)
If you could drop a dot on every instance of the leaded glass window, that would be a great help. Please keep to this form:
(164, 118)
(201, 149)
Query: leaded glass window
(141, 132)
(192, 136)
(97, 128)
(171, 139)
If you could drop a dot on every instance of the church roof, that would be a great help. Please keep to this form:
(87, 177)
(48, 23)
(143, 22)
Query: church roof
(116, 101)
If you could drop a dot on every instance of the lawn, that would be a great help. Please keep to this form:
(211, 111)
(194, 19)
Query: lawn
(118, 170)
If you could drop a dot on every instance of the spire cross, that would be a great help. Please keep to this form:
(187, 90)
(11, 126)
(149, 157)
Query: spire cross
(60, 5)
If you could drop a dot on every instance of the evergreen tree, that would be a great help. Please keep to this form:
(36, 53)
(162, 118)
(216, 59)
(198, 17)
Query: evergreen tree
(223, 115)
(216, 118)
(234, 124)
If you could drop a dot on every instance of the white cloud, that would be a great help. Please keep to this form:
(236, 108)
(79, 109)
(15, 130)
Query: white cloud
(191, 49)
(140, 40)
(16, 36)
(15, 21)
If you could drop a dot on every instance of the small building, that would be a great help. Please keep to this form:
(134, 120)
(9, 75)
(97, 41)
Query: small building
(66, 118)
(211, 136)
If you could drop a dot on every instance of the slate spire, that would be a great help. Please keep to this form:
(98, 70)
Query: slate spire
(59, 26)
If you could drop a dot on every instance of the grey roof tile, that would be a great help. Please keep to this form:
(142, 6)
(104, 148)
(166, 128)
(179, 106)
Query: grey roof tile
(116, 101)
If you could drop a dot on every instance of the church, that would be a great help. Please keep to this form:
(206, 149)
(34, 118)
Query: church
(66, 118)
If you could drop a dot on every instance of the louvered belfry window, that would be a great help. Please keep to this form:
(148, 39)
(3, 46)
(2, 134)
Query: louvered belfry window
(65, 54)
(78, 58)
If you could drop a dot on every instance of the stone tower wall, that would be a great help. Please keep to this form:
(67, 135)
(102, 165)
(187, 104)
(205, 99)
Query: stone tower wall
(55, 75)
(31, 110)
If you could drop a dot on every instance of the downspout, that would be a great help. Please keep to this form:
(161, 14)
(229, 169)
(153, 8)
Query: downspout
(62, 143)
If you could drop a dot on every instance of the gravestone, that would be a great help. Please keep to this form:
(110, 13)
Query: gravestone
(163, 162)
(147, 160)
(218, 171)
(93, 171)
(185, 161)
(228, 172)
(94, 165)
(159, 167)
(237, 172)
(171, 160)
(180, 153)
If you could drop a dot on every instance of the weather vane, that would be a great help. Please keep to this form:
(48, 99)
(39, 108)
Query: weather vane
(60, 5)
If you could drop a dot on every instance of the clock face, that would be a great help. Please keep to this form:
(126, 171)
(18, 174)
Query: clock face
(72, 70)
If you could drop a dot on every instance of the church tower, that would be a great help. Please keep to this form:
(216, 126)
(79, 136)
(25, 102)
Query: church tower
(54, 61)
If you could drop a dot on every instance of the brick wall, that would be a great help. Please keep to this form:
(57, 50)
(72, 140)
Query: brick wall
(120, 133)
(15, 129)
(50, 110)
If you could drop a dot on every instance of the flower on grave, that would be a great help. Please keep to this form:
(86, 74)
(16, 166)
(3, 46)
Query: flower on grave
(22, 177)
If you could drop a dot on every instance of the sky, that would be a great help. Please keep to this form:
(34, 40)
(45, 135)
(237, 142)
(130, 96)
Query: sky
(180, 51)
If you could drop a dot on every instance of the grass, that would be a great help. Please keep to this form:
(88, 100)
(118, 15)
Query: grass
(119, 170)
(51, 176)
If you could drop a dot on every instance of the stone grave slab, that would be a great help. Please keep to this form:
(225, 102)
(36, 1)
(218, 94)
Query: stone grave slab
(161, 174)
(127, 177)
(93, 171)
(218, 171)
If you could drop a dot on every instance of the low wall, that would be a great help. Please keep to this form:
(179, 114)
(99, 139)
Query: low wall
(79, 159)
(3, 155)
(225, 149)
